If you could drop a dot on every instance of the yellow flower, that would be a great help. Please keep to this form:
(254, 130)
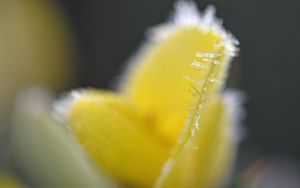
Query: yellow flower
(146, 134)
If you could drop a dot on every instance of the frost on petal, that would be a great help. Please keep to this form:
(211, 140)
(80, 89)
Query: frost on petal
(156, 77)
(205, 154)
(186, 14)
(111, 130)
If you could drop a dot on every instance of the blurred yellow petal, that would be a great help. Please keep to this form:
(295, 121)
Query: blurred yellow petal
(205, 157)
(35, 48)
(9, 181)
(44, 151)
(112, 132)
(185, 49)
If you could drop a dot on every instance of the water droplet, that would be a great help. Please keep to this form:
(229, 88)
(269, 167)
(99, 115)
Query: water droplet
(216, 62)
(217, 46)
(194, 91)
(197, 126)
(206, 59)
(209, 56)
(195, 80)
(190, 78)
(200, 66)
(204, 100)
(192, 145)
(213, 80)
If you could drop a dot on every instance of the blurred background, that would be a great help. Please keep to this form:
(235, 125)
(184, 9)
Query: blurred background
(86, 43)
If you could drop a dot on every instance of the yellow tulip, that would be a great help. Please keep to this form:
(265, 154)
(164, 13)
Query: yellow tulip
(145, 135)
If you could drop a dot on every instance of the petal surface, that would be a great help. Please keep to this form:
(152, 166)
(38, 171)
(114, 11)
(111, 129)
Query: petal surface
(205, 157)
(112, 132)
(177, 59)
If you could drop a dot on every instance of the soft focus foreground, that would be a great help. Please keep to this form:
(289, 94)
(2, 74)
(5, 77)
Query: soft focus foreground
(35, 49)
(169, 125)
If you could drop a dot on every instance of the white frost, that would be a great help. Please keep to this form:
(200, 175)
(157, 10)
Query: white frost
(187, 14)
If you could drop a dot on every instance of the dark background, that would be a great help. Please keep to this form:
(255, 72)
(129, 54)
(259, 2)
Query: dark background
(108, 32)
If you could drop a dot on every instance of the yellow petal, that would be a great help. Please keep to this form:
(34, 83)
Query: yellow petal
(204, 158)
(9, 181)
(43, 150)
(112, 132)
(156, 80)
(35, 49)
